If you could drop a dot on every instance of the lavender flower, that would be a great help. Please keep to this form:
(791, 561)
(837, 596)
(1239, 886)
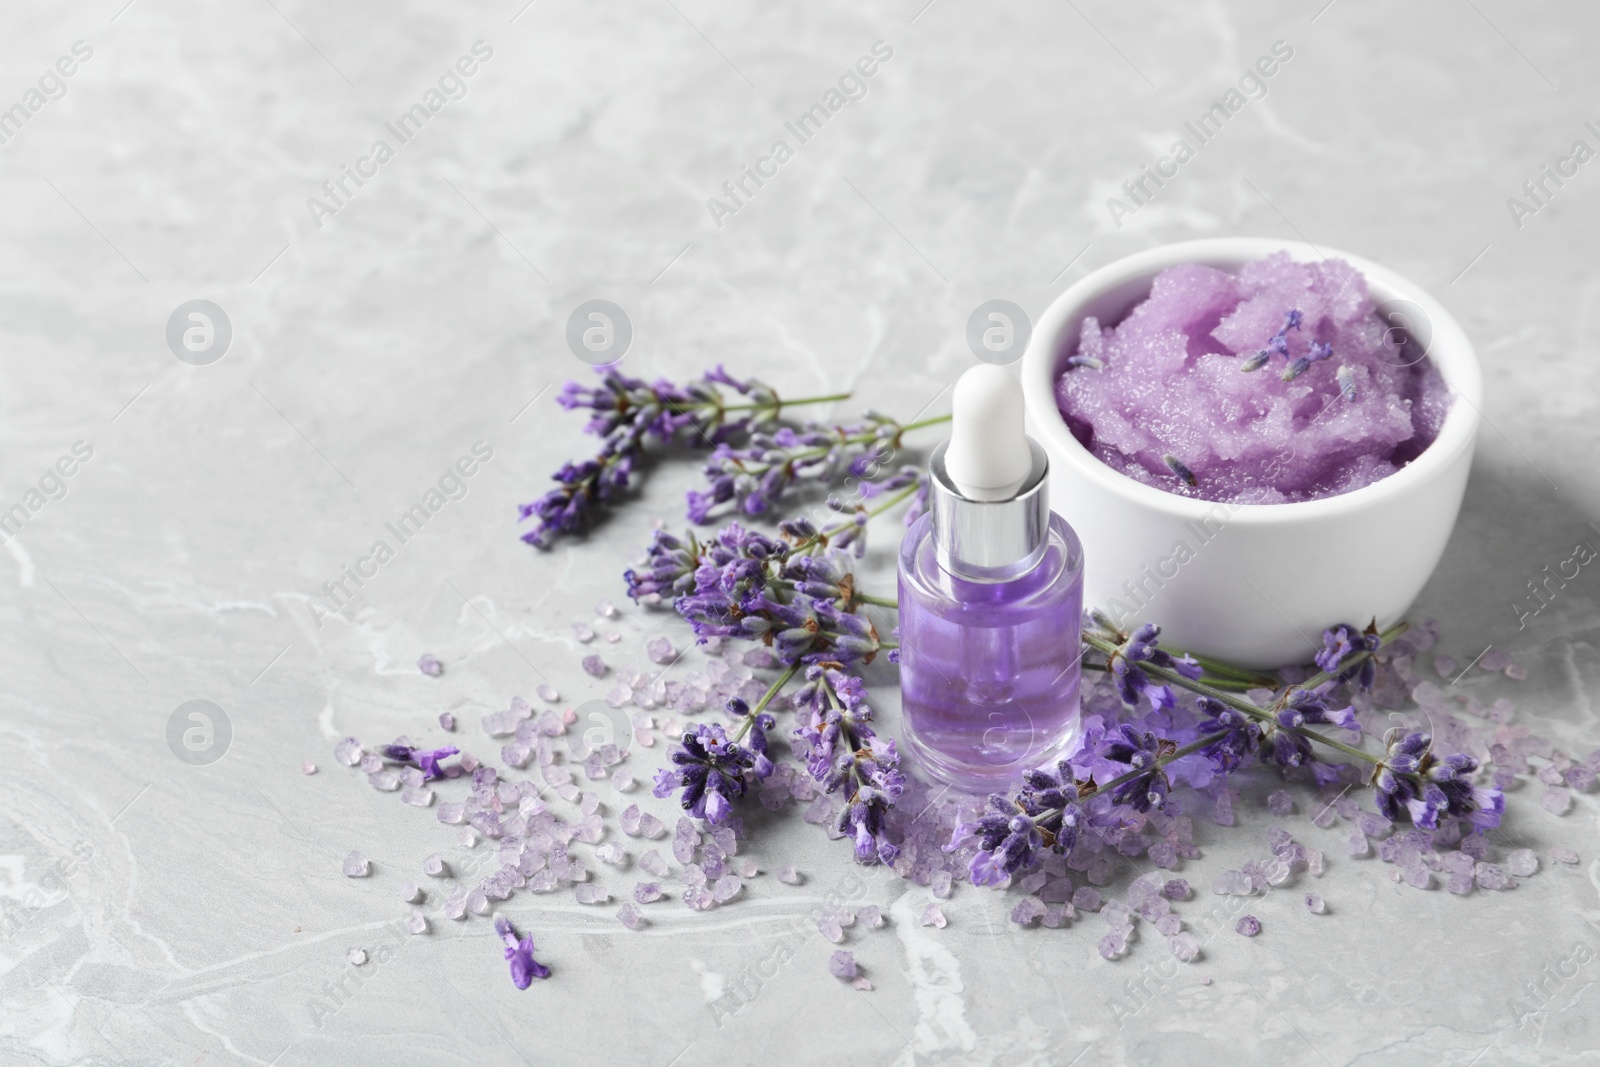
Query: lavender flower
(843, 753)
(1319, 350)
(754, 726)
(1413, 780)
(427, 760)
(1240, 735)
(524, 968)
(1277, 344)
(1344, 641)
(669, 569)
(628, 414)
(1141, 647)
(711, 773)
(756, 476)
(1141, 750)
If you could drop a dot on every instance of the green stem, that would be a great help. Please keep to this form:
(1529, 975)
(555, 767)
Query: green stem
(780, 403)
(1177, 754)
(882, 602)
(766, 698)
(1166, 674)
(1228, 670)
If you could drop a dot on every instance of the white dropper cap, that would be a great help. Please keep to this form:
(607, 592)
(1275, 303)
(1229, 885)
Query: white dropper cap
(989, 457)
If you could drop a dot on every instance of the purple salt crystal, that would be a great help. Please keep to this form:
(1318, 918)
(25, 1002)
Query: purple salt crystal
(447, 721)
(660, 650)
(932, 916)
(1112, 945)
(829, 927)
(455, 905)
(371, 763)
(1346, 807)
(820, 810)
(546, 692)
(1280, 803)
(589, 893)
(629, 916)
(605, 609)
(308, 768)
(693, 875)
(1549, 774)
(726, 888)
(1176, 889)
(584, 633)
(1154, 908)
(1556, 801)
(1476, 846)
(653, 862)
(746, 868)
(1373, 825)
(1493, 659)
(348, 752)
(1086, 898)
(1580, 778)
(871, 916)
(1278, 839)
(1419, 877)
(356, 866)
(433, 866)
(1522, 862)
(1315, 904)
(726, 840)
(357, 956)
(1233, 883)
(1563, 855)
(1184, 946)
(1517, 672)
(842, 964)
(1445, 666)
(684, 841)
(1164, 854)
(789, 876)
(417, 922)
(1222, 810)
(622, 782)
(1324, 818)
(611, 853)
(1493, 876)
(590, 804)
(1248, 925)
(1028, 910)
(630, 820)
(651, 827)
(594, 666)
(647, 892)
(429, 664)
(410, 893)
(1459, 883)
(1029, 884)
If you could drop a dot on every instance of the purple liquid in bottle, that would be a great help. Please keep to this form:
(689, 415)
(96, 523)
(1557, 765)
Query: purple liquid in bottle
(989, 670)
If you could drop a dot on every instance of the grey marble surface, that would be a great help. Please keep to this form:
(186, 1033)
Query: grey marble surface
(158, 912)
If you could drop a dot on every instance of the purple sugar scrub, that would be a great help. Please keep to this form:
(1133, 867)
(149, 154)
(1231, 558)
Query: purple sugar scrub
(1277, 384)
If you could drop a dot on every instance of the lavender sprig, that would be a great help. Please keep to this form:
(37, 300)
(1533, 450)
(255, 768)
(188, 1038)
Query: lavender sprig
(844, 754)
(756, 476)
(628, 414)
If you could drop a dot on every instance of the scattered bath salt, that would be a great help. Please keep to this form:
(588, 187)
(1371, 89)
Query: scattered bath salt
(653, 862)
(1445, 666)
(1522, 862)
(356, 866)
(1556, 801)
(842, 964)
(613, 637)
(1086, 898)
(1517, 672)
(932, 916)
(789, 876)
(546, 692)
(1184, 946)
(660, 650)
(871, 916)
(1493, 660)
(1315, 904)
(1563, 855)
(606, 610)
(1169, 924)
(594, 666)
(1493, 876)
(1206, 980)
(830, 927)
(434, 867)
(1280, 803)
(1027, 911)
(646, 892)
(1176, 889)
(940, 886)
(357, 956)
(417, 922)
(861, 982)
(308, 768)
(583, 632)
(629, 916)
(589, 893)
(1248, 925)
(429, 664)
(348, 752)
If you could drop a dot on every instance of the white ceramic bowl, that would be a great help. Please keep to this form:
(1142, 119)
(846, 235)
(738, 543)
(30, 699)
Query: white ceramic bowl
(1254, 584)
